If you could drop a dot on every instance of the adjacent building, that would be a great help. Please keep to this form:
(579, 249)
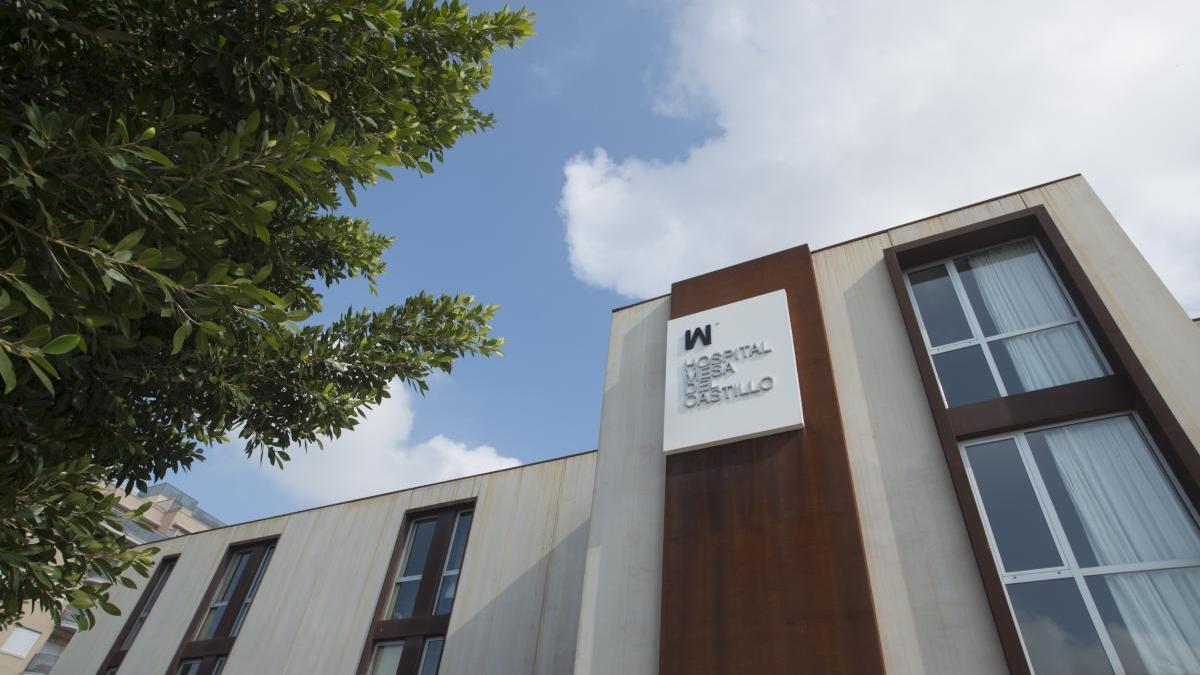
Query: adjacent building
(34, 644)
(965, 444)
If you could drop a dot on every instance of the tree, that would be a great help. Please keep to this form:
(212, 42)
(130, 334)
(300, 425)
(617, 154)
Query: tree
(170, 173)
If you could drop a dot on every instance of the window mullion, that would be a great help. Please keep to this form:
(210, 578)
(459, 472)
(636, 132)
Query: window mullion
(238, 593)
(1046, 505)
(973, 322)
(1064, 547)
(1032, 329)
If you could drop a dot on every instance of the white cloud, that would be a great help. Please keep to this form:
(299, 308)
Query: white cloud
(379, 456)
(839, 118)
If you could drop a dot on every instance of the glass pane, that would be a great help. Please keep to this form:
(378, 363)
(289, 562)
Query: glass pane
(258, 575)
(1105, 479)
(233, 573)
(1045, 358)
(219, 667)
(1018, 526)
(418, 549)
(229, 580)
(1059, 636)
(386, 660)
(431, 658)
(189, 667)
(445, 599)
(211, 621)
(458, 545)
(1011, 287)
(1153, 619)
(965, 376)
(21, 641)
(406, 597)
(941, 313)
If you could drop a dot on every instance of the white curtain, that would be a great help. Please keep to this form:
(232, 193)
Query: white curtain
(1018, 289)
(1051, 357)
(1130, 513)
(1161, 610)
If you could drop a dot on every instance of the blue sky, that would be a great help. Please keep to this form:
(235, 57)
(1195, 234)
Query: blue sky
(643, 141)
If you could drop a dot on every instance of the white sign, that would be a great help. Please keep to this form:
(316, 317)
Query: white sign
(731, 374)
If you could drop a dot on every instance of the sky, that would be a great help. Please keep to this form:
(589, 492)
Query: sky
(639, 142)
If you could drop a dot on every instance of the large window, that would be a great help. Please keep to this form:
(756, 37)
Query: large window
(224, 610)
(1098, 552)
(998, 322)
(141, 611)
(407, 638)
(20, 641)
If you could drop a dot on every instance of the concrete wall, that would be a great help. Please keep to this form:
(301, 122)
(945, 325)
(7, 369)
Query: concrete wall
(618, 629)
(516, 610)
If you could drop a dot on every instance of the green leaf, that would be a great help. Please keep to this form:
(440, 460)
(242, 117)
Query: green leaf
(216, 273)
(41, 375)
(62, 344)
(156, 156)
(323, 95)
(7, 372)
(251, 123)
(36, 299)
(181, 334)
(129, 241)
(81, 600)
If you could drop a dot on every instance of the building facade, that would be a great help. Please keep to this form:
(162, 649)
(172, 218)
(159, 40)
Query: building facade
(34, 644)
(965, 444)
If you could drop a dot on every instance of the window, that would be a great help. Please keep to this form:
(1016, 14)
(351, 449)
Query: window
(1098, 551)
(997, 322)
(20, 641)
(409, 633)
(224, 611)
(139, 614)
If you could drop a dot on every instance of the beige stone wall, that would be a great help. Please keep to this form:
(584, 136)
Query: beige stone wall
(933, 614)
(516, 610)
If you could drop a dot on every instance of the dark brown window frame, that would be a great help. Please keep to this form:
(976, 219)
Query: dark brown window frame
(1129, 388)
(423, 624)
(213, 649)
(115, 654)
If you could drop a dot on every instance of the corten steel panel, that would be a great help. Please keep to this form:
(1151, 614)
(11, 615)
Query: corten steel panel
(763, 563)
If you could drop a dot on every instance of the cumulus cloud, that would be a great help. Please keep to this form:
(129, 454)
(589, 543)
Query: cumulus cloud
(838, 118)
(380, 456)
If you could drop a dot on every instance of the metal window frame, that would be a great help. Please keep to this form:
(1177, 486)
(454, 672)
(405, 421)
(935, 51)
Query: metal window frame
(141, 611)
(212, 651)
(970, 313)
(1071, 568)
(456, 572)
(409, 538)
(423, 625)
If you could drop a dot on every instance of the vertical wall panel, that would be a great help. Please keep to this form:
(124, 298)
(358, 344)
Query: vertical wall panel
(764, 569)
(933, 614)
(618, 625)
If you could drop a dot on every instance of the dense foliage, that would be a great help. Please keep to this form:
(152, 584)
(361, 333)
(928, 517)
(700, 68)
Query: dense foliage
(169, 174)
